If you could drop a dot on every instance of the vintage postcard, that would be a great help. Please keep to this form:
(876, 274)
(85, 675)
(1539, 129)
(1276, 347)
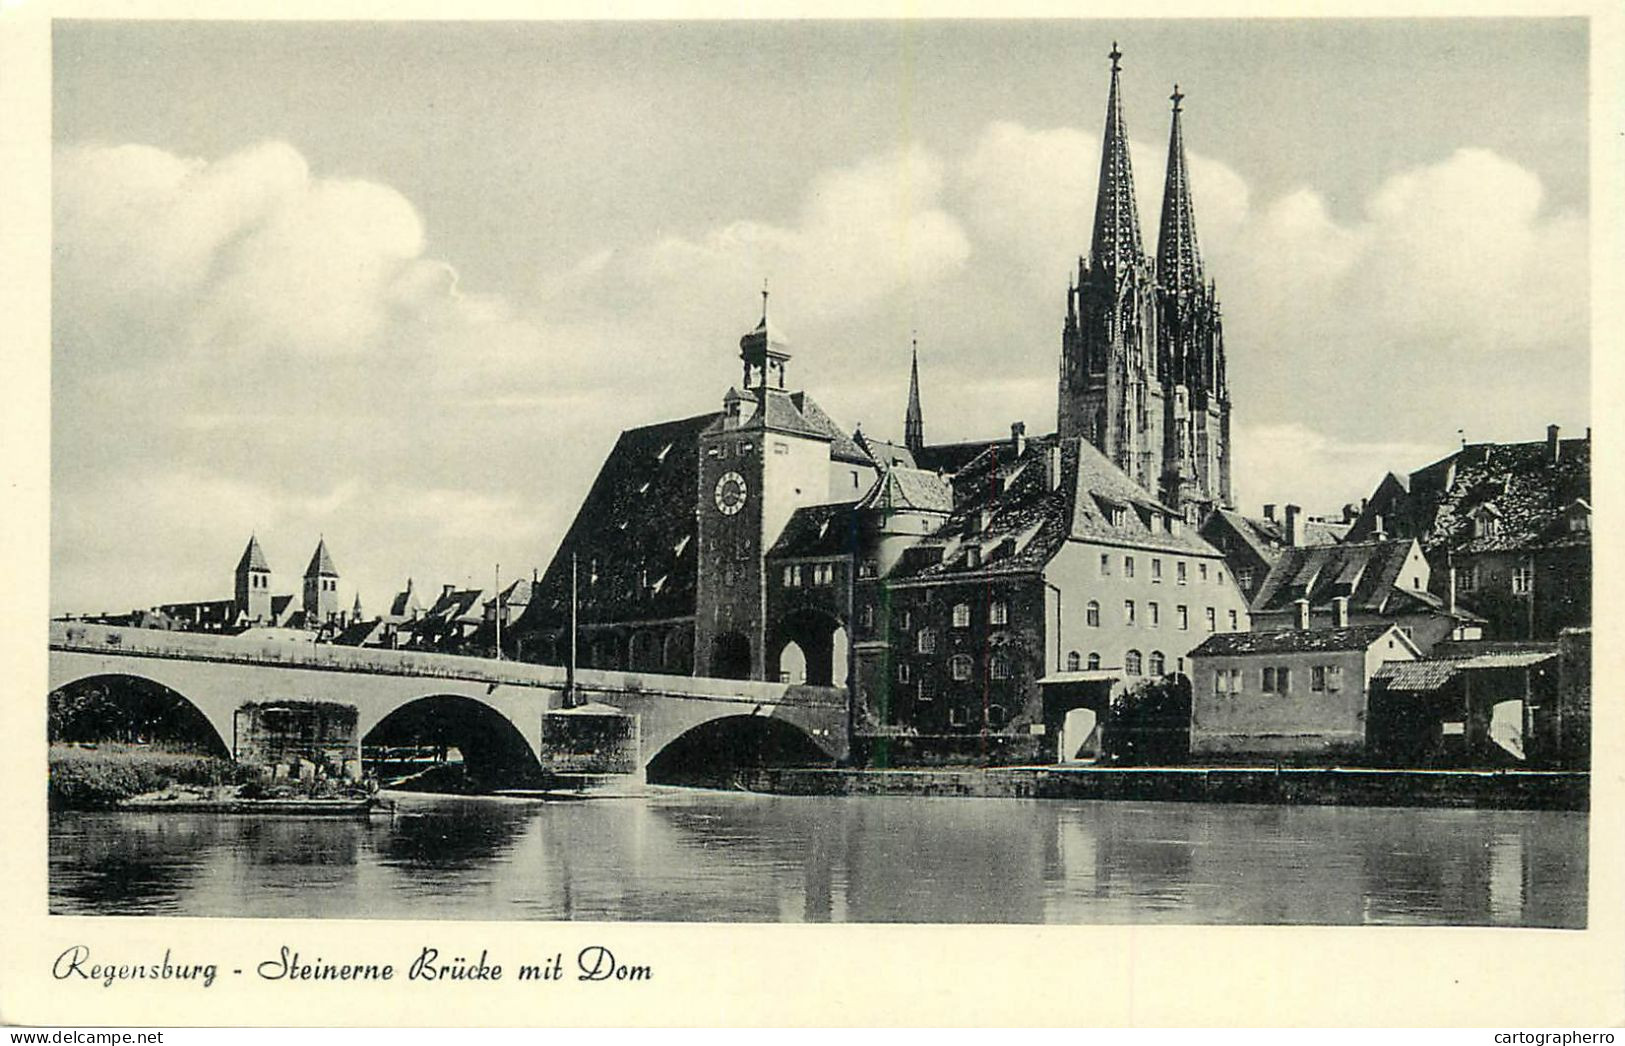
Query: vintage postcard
(520, 516)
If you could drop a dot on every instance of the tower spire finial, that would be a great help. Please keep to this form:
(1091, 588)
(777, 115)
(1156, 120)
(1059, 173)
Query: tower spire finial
(914, 419)
(764, 301)
(1179, 258)
(1116, 243)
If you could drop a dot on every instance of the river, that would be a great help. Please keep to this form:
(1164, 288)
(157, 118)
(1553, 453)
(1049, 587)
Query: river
(690, 855)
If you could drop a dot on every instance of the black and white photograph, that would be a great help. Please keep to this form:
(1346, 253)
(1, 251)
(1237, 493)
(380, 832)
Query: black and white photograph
(1074, 471)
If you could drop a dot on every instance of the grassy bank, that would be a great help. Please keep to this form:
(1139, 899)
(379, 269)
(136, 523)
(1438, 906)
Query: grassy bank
(91, 776)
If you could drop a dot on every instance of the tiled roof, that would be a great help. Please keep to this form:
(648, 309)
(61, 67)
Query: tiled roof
(1517, 480)
(253, 557)
(1006, 518)
(1416, 675)
(951, 457)
(817, 530)
(1357, 637)
(779, 413)
(634, 535)
(1365, 572)
(905, 489)
(842, 447)
(321, 563)
(885, 454)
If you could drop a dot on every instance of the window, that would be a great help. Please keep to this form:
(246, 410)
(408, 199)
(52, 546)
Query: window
(1093, 662)
(1233, 621)
(973, 556)
(745, 448)
(1159, 663)
(1156, 571)
(781, 448)
(999, 612)
(1220, 575)
(867, 568)
(854, 480)
(867, 617)
(1221, 680)
(1073, 661)
(823, 573)
(1269, 679)
(1245, 579)
(902, 672)
(999, 665)
(1201, 571)
(1156, 614)
(1523, 580)
(904, 619)
(1105, 565)
(1334, 678)
(1091, 614)
(960, 665)
(961, 615)
(1128, 566)
(1317, 678)
(996, 716)
(1131, 663)
(1183, 613)
(1179, 571)
(1467, 578)
(1277, 679)
(956, 716)
(924, 692)
(790, 576)
(1212, 622)
(1580, 523)
(926, 641)
(1128, 611)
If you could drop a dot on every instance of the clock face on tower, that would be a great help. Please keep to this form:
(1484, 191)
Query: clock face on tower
(731, 493)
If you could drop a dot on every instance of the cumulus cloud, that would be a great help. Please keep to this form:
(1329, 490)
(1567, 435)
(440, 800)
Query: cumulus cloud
(862, 233)
(1030, 194)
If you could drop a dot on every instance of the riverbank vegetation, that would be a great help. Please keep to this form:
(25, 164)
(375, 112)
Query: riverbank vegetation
(100, 775)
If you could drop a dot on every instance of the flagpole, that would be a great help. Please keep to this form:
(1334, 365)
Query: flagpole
(570, 669)
(496, 581)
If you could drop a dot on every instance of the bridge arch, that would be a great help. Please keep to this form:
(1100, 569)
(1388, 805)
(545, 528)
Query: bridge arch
(493, 749)
(727, 743)
(124, 706)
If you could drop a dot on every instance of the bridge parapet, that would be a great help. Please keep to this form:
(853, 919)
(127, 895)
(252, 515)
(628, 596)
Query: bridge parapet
(192, 646)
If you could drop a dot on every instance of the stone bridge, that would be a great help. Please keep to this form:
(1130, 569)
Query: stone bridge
(221, 676)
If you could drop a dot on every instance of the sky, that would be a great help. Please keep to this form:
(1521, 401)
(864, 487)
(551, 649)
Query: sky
(401, 285)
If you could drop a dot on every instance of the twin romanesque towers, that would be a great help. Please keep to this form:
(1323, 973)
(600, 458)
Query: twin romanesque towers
(1142, 350)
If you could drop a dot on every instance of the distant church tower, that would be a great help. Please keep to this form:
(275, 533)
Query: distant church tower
(253, 583)
(1142, 348)
(321, 587)
(914, 420)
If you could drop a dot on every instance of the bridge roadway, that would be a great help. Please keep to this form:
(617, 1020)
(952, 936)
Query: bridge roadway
(220, 674)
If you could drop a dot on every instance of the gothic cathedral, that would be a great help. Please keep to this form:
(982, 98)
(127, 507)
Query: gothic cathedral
(1142, 351)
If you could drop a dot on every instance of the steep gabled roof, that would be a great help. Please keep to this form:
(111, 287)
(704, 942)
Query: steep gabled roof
(818, 530)
(1365, 572)
(1007, 519)
(842, 447)
(634, 534)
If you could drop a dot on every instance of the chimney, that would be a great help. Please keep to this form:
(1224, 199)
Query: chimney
(1450, 589)
(1018, 437)
(1301, 605)
(1294, 526)
(1269, 513)
(1052, 466)
(1554, 448)
(1340, 611)
(1377, 533)
(447, 590)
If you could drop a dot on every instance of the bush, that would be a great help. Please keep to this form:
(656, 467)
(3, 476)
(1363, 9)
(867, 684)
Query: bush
(101, 775)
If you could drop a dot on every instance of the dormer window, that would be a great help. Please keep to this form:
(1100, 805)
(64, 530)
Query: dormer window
(973, 556)
(1486, 521)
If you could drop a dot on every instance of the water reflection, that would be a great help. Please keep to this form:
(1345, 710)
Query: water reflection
(682, 856)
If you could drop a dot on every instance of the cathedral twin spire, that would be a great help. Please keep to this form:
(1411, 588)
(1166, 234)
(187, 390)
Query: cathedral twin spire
(1116, 243)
